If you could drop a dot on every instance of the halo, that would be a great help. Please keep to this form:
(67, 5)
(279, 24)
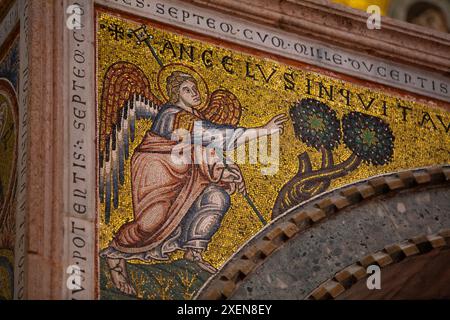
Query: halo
(165, 72)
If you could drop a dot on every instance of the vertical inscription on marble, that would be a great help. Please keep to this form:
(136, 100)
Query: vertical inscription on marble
(80, 203)
(79, 105)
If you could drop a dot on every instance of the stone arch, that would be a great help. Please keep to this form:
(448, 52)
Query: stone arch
(308, 245)
(421, 261)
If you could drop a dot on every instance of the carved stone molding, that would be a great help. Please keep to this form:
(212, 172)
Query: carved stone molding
(345, 27)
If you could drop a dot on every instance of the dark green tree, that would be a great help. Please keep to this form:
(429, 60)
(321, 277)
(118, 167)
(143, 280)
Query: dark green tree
(369, 138)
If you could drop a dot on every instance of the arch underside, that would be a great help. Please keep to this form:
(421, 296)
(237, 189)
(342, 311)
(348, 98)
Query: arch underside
(422, 276)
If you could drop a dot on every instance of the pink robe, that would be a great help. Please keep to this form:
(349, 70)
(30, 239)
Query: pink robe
(163, 192)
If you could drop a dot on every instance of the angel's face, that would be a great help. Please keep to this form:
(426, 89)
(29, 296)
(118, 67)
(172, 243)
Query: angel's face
(189, 94)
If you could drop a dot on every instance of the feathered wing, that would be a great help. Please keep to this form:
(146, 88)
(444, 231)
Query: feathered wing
(223, 108)
(125, 97)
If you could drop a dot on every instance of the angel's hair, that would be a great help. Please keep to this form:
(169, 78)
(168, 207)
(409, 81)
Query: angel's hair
(174, 82)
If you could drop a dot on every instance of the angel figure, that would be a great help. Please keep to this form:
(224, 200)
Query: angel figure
(177, 206)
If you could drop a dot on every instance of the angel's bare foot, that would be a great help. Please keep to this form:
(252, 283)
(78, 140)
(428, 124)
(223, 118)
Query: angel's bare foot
(119, 276)
(195, 256)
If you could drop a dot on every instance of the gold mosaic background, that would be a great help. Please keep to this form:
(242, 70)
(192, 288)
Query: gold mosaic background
(415, 146)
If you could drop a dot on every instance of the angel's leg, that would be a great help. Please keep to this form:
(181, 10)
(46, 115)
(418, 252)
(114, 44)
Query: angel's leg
(119, 275)
(202, 222)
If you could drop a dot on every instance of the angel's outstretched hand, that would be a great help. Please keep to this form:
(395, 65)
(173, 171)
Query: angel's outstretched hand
(276, 123)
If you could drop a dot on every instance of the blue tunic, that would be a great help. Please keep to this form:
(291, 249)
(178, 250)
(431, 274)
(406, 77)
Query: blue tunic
(204, 133)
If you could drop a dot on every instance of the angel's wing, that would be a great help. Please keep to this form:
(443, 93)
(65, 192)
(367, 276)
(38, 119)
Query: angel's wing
(223, 108)
(125, 97)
